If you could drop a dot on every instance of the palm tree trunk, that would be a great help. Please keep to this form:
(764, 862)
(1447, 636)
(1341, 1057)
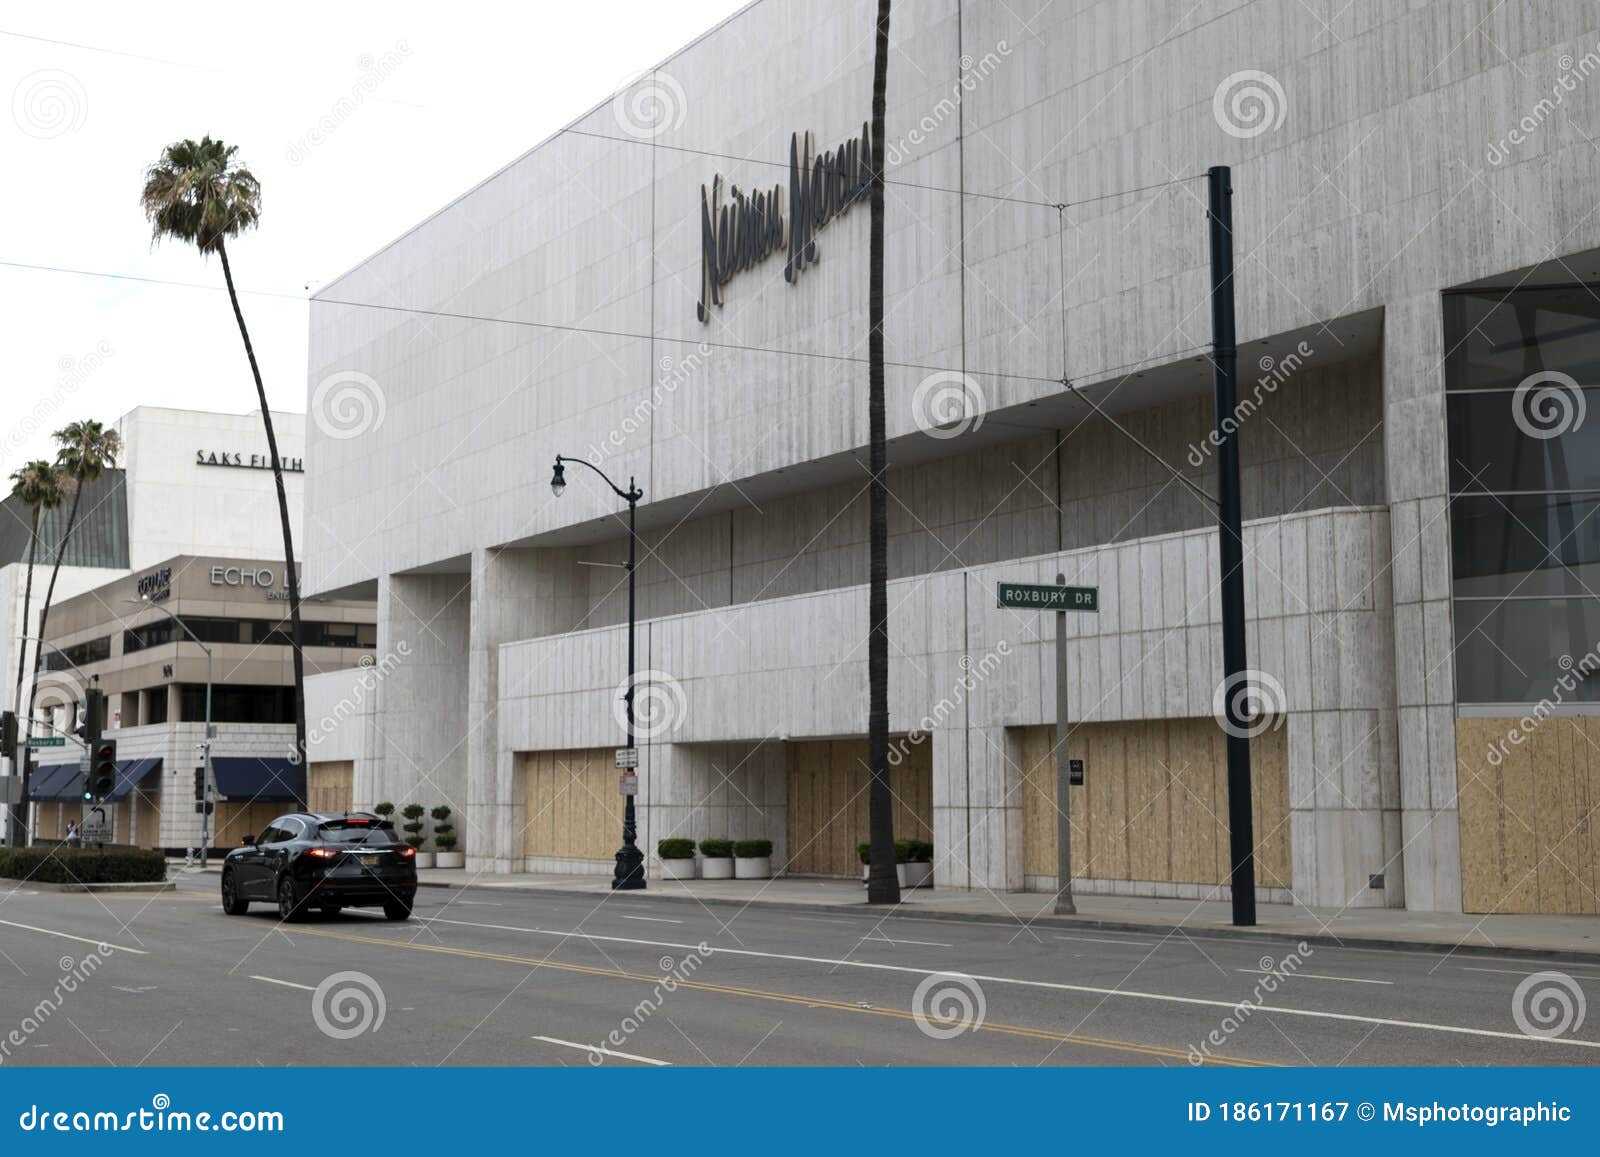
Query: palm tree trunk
(882, 885)
(290, 576)
(38, 650)
(19, 810)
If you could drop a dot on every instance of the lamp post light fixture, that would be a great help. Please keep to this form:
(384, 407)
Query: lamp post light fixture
(205, 744)
(629, 874)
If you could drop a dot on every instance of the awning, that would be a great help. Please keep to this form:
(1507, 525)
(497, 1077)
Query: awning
(131, 773)
(56, 782)
(242, 779)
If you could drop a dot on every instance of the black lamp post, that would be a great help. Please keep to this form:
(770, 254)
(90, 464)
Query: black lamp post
(629, 874)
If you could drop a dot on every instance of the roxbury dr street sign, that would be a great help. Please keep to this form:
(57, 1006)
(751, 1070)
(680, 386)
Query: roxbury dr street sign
(1029, 597)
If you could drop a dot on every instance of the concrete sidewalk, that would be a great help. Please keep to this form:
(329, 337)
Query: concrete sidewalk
(1574, 938)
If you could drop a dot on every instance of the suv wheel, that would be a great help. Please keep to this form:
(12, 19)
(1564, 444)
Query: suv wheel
(290, 905)
(397, 909)
(232, 903)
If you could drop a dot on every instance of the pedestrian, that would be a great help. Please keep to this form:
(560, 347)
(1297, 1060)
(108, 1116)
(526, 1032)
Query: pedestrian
(72, 834)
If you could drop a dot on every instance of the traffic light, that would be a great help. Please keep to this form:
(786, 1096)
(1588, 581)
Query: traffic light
(102, 770)
(199, 785)
(8, 734)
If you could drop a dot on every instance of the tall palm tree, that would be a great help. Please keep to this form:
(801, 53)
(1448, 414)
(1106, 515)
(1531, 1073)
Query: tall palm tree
(882, 885)
(87, 451)
(200, 193)
(39, 486)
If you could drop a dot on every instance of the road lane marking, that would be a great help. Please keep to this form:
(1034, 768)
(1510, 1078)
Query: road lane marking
(825, 919)
(285, 983)
(1058, 986)
(70, 936)
(920, 943)
(1524, 972)
(569, 1044)
(652, 919)
(1161, 1051)
(1315, 976)
(1109, 940)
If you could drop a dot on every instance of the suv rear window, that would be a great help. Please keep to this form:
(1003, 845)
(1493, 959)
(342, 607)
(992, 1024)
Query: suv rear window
(356, 832)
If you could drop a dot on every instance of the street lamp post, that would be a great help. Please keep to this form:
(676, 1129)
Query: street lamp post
(629, 874)
(205, 745)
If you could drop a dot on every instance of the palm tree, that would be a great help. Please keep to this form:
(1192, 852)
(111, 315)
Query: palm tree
(39, 486)
(201, 194)
(882, 885)
(87, 451)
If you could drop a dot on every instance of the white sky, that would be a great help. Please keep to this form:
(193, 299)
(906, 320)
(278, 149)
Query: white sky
(96, 90)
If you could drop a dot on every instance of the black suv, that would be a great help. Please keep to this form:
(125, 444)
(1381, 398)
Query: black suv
(310, 860)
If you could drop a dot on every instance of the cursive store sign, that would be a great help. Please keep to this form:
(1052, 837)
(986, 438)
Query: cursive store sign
(739, 230)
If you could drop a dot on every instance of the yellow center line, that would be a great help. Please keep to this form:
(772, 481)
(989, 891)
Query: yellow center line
(781, 997)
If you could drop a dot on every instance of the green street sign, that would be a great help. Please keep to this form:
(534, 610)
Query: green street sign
(47, 741)
(1031, 597)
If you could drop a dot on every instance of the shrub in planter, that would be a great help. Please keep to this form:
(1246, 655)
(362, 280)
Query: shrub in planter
(716, 859)
(55, 865)
(917, 871)
(413, 829)
(444, 838)
(864, 850)
(384, 809)
(677, 858)
(752, 859)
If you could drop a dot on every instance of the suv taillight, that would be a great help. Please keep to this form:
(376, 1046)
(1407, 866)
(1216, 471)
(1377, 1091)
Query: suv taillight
(406, 853)
(322, 853)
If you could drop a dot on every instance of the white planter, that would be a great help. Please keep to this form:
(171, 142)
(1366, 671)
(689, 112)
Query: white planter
(900, 873)
(752, 867)
(916, 875)
(679, 869)
(718, 868)
(424, 859)
(449, 859)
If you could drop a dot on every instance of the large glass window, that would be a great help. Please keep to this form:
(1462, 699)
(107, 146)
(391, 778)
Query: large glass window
(1523, 410)
(249, 632)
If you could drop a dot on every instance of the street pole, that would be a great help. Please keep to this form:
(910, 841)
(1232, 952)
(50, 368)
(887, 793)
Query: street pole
(1064, 904)
(1241, 835)
(629, 873)
(21, 833)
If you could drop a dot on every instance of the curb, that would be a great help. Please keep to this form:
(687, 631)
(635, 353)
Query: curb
(141, 886)
(1068, 923)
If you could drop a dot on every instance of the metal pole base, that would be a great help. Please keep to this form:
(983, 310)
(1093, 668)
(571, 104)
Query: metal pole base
(1064, 904)
(629, 875)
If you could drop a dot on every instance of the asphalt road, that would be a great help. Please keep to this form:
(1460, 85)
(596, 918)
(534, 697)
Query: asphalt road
(492, 977)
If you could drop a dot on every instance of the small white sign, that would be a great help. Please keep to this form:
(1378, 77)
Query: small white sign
(628, 783)
(628, 757)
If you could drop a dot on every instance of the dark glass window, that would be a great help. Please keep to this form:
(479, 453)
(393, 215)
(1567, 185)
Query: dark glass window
(1490, 450)
(249, 632)
(1525, 544)
(238, 704)
(78, 655)
(1521, 650)
(155, 706)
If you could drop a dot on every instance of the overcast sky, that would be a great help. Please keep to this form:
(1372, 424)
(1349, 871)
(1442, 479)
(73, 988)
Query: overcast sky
(449, 92)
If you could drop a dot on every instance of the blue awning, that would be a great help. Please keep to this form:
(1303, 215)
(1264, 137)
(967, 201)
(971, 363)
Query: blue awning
(131, 773)
(55, 782)
(257, 777)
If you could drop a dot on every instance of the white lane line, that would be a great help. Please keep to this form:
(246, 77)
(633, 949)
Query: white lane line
(1051, 985)
(70, 936)
(651, 919)
(1524, 971)
(570, 1044)
(825, 919)
(1315, 976)
(1109, 940)
(285, 983)
(921, 943)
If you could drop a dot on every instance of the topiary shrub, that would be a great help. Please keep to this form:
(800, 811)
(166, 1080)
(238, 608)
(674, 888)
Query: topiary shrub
(719, 849)
(444, 835)
(413, 825)
(864, 850)
(675, 849)
(752, 849)
(921, 852)
(902, 851)
(58, 865)
(385, 809)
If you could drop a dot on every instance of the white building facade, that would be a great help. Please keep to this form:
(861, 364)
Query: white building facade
(1411, 255)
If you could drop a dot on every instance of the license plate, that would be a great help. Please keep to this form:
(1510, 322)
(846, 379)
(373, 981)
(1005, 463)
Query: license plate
(370, 861)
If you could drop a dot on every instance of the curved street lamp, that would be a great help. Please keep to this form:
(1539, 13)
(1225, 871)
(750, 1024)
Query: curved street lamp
(629, 873)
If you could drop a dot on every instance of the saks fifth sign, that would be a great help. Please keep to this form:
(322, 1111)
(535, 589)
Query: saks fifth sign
(739, 230)
(246, 461)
